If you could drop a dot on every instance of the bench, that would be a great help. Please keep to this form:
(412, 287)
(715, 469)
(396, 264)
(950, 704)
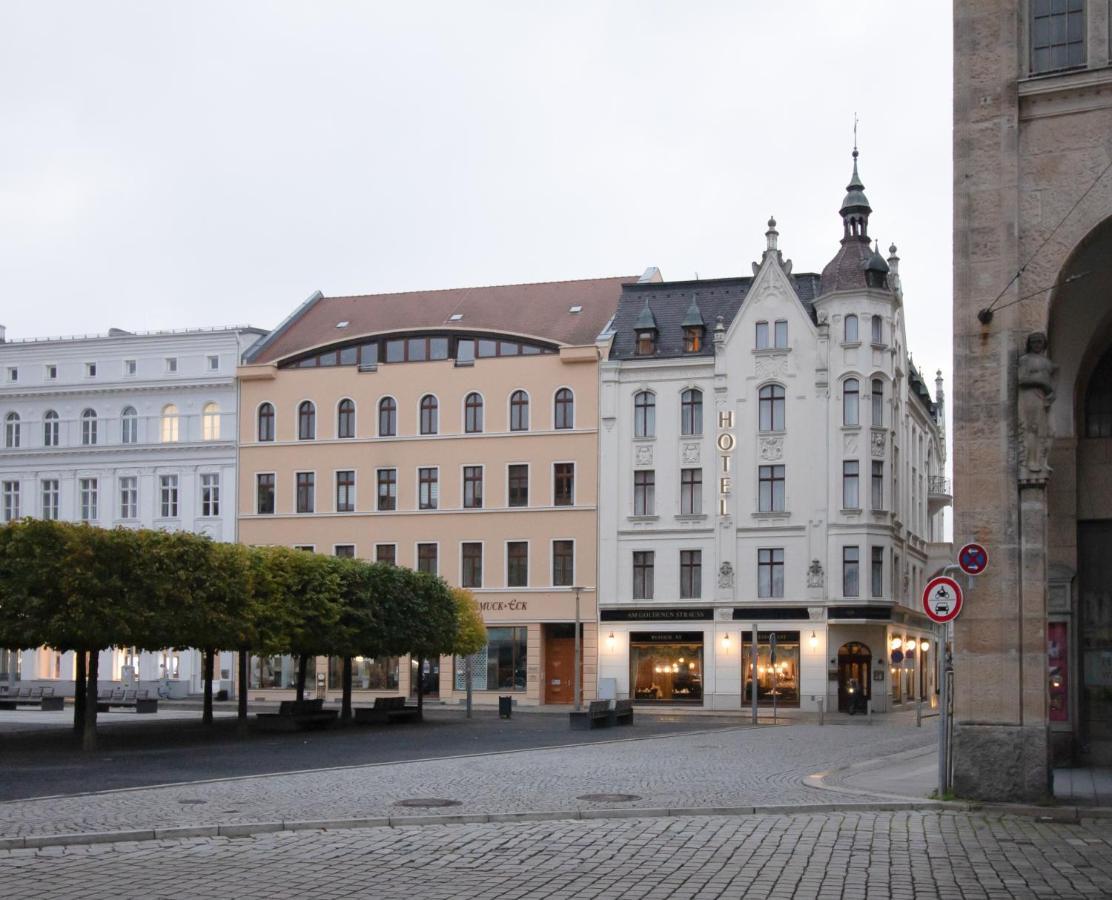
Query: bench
(387, 709)
(126, 698)
(42, 697)
(297, 715)
(622, 713)
(597, 715)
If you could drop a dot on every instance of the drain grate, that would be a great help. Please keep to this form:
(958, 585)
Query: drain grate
(609, 798)
(428, 802)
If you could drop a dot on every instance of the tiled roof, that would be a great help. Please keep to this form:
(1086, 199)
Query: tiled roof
(670, 302)
(541, 311)
(846, 271)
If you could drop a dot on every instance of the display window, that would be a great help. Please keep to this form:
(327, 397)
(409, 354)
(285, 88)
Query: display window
(1057, 652)
(281, 672)
(368, 673)
(777, 668)
(501, 665)
(666, 667)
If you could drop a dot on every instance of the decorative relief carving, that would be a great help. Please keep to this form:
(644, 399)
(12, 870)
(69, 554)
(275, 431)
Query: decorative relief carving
(1036, 392)
(817, 613)
(814, 574)
(690, 453)
(643, 455)
(773, 365)
(880, 440)
(726, 575)
(771, 448)
(849, 443)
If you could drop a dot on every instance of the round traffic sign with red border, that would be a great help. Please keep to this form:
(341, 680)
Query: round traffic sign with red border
(942, 599)
(973, 559)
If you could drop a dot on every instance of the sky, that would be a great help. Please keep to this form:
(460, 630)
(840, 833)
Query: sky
(172, 165)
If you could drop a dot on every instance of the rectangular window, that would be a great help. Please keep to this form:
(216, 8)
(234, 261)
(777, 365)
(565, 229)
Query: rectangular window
(306, 492)
(501, 665)
(518, 487)
(563, 484)
(427, 559)
(851, 497)
(387, 554)
(13, 374)
(129, 367)
(762, 336)
(770, 572)
(50, 495)
(87, 491)
(877, 574)
(1057, 35)
(644, 492)
(387, 489)
(643, 574)
(214, 363)
(563, 563)
(11, 501)
(778, 670)
(129, 497)
(691, 574)
(168, 496)
(428, 487)
(851, 581)
(878, 485)
(368, 673)
(51, 372)
(210, 494)
(264, 494)
(781, 334)
(472, 487)
(771, 494)
(691, 492)
(90, 370)
(471, 564)
(345, 491)
(171, 364)
(517, 564)
(346, 551)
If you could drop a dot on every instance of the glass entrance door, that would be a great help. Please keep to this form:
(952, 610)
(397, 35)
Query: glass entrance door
(854, 673)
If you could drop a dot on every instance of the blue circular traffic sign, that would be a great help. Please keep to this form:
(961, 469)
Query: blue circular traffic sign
(973, 559)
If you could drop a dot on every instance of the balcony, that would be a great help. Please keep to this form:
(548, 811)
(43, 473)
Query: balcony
(939, 493)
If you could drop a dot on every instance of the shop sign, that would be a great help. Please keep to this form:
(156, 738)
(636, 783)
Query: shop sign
(666, 637)
(663, 614)
(726, 443)
(514, 605)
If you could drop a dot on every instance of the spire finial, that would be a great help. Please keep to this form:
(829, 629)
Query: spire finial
(855, 134)
(772, 234)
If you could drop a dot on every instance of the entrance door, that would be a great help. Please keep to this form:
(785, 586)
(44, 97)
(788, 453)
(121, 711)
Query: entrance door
(430, 676)
(1094, 550)
(854, 664)
(559, 664)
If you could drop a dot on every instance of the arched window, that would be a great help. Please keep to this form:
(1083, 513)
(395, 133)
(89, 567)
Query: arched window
(387, 417)
(851, 412)
(11, 430)
(266, 422)
(170, 421)
(851, 329)
(691, 411)
(89, 427)
(210, 422)
(519, 411)
(473, 413)
(563, 414)
(306, 421)
(50, 429)
(878, 403)
(644, 414)
(878, 330)
(345, 419)
(430, 415)
(129, 425)
(771, 407)
(1098, 400)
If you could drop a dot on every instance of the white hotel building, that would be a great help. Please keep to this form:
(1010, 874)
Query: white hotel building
(769, 456)
(133, 430)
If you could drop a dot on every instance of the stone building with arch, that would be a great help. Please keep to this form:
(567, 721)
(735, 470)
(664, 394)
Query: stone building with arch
(1033, 390)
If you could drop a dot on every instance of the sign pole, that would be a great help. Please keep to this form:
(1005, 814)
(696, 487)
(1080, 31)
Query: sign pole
(943, 715)
(753, 676)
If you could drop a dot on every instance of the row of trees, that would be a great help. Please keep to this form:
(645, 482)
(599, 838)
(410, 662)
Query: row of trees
(75, 587)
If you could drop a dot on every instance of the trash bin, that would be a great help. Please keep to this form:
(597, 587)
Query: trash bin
(505, 707)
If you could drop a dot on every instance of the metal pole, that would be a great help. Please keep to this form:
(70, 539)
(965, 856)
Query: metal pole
(577, 649)
(821, 704)
(753, 675)
(943, 716)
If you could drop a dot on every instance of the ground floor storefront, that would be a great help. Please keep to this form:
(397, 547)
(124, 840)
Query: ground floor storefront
(834, 658)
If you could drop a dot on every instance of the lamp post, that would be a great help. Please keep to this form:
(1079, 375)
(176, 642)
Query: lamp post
(576, 678)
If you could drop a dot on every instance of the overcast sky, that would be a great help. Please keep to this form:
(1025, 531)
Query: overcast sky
(208, 163)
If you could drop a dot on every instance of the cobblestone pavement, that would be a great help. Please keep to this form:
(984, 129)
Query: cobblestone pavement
(831, 855)
(726, 767)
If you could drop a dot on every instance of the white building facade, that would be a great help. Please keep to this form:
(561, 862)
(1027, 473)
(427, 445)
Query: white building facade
(131, 430)
(769, 458)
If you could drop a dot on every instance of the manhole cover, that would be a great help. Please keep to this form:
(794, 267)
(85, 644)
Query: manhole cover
(428, 802)
(192, 802)
(609, 798)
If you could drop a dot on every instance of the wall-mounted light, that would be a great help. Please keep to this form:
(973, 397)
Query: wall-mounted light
(925, 646)
(610, 641)
(814, 640)
(896, 643)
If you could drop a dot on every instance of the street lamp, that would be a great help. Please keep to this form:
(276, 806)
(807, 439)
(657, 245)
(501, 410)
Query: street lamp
(576, 679)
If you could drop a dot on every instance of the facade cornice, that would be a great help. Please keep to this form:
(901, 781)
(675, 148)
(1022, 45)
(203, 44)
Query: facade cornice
(139, 387)
(1064, 93)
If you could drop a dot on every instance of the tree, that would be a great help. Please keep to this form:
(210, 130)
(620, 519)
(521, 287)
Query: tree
(432, 609)
(361, 630)
(471, 634)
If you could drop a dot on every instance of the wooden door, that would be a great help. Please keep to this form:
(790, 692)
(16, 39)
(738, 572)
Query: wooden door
(559, 668)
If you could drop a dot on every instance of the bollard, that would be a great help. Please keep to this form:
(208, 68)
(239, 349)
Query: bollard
(869, 710)
(919, 714)
(820, 712)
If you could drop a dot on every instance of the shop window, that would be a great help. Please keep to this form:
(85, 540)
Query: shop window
(280, 672)
(500, 666)
(368, 673)
(666, 667)
(1057, 651)
(777, 668)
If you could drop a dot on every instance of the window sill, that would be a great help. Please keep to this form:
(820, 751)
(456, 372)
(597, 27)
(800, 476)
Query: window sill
(856, 511)
(879, 346)
(770, 351)
(772, 514)
(851, 428)
(780, 433)
(645, 439)
(691, 517)
(642, 518)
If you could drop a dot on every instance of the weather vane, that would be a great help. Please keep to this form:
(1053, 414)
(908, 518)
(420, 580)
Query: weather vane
(855, 132)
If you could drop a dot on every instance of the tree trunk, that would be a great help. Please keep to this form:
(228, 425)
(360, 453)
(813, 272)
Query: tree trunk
(467, 675)
(420, 688)
(80, 680)
(345, 707)
(302, 664)
(209, 660)
(241, 697)
(89, 735)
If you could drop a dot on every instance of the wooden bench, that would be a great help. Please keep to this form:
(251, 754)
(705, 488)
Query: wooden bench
(387, 709)
(42, 697)
(622, 713)
(297, 715)
(126, 698)
(597, 715)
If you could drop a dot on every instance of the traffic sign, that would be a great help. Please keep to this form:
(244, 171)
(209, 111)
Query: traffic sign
(942, 599)
(973, 559)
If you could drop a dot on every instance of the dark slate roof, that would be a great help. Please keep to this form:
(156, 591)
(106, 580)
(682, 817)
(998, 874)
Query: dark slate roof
(846, 271)
(920, 390)
(670, 301)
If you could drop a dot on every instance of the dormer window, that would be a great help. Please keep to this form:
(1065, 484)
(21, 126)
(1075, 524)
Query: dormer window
(692, 340)
(646, 343)
(646, 331)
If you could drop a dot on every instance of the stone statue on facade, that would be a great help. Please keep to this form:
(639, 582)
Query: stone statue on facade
(814, 574)
(1036, 393)
(726, 575)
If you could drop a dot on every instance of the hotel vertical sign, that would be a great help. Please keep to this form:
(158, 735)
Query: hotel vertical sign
(725, 443)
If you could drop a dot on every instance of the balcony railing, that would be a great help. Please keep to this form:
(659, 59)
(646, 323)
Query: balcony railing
(939, 485)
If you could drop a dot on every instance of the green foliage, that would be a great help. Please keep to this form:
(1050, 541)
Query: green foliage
(471, 635)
